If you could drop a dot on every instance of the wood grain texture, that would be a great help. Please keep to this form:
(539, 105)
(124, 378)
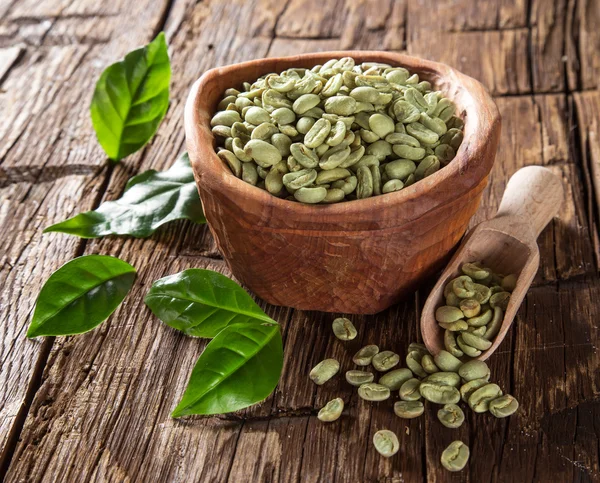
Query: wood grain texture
(100, 411)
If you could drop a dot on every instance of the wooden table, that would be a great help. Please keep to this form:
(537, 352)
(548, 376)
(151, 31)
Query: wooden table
(96, 407)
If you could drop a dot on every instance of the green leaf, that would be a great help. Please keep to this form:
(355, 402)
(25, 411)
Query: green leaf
(150, 200)
(131, 98)
(201, 303)
(80, 295)
(239, 367)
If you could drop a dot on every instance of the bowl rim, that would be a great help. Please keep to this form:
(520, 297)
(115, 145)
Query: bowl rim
(211, 171)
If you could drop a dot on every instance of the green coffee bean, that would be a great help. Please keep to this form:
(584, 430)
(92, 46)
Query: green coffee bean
(500, 299)
(453, 300)
(365, 94)
(305, 156)
(337, 134)
(299, 179)
(263, 153)
(415, 346)
(333, 157)
(408, 409)
(358, 378)
(386, 443)
(475, 341)
(474, 370)
(393, 380)
(373, 392)
(408, 152)
(465, 289)
(446, 313)
(283, 115)
(509, 282)
(423, 134)
(344, 329)
(427, 167)
(481, 320)
(249, 174)
(341, 105)
(413, 361)
(367, 161)
(405, 112)
(347, 185)
(480, 399)
(450, 344)
(381, 124)
(304, 124)
(392, 185)
(400, 168)
(503, 406)
(428, 364)
(365, 355)
(446, 361)
(232, 161)
(310, 195)
(475, 271)
(466, 348)
(324, 371)
(409, 391)
(470, 387)
(385, 360)
(225, 118)
(438, 393)
(380, 149)
(282, 143)
(274, 180)
(317, 134)
(482, 293)
(223, 131)
(305, 102)
(434, 124)
(493, 327)
(331, 411)
(364, 178)
(470, 307)
(457, 326)
(451, 416)
(455, 456)
(445, 153)
(444, 379)
(480, 331)
(264, 131)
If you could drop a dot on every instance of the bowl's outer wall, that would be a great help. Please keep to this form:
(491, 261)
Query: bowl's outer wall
(351, 257)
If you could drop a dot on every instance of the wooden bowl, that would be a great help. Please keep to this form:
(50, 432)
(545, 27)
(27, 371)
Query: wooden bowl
(355, 257)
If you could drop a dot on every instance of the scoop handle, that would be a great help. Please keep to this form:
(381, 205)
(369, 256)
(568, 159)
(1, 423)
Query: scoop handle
(533, 194)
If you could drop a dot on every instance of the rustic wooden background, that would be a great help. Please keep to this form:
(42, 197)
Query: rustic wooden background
(96, 407)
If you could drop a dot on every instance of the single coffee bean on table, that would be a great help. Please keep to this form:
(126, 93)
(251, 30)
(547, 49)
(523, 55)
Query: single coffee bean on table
(455, 456)
(324, 371)
(331, 411)
(358, 378)
(344, 329)
(384, 125)
(386, 443)
(365, 355)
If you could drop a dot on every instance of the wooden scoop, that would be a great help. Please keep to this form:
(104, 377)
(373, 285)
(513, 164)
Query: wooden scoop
(506, 244)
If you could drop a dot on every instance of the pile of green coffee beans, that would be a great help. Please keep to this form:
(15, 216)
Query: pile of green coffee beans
(474, 310)
(339, 131)
(441, 379)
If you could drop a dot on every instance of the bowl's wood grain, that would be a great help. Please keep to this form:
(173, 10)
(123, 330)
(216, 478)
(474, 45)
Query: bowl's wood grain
(506, 243)
(351, 257)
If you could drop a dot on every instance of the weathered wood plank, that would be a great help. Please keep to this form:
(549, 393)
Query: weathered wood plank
(547, 20)
(498, 59)
(50, 167)
(583, 44)
(588, 115)
(463, 15)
